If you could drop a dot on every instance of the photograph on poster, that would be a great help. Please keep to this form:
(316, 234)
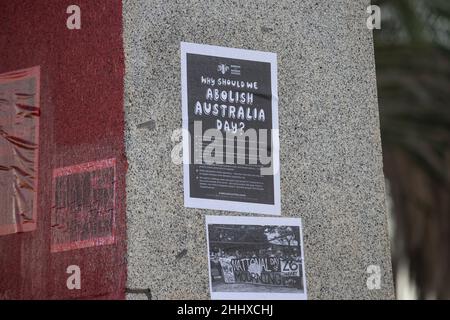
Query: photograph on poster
(255, 258)
(230, 129)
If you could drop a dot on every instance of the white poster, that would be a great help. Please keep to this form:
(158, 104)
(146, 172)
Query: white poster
(255, 258)
(230, 129)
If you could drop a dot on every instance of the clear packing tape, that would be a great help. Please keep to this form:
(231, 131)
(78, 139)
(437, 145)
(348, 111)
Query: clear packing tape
(19, 136)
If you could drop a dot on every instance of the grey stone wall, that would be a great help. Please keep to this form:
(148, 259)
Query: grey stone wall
(331, 161)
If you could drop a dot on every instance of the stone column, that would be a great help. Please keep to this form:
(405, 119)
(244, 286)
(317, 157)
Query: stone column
(330, 148)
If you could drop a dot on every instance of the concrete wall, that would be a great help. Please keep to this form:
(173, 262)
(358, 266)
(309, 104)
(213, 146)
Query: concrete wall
(331, 161)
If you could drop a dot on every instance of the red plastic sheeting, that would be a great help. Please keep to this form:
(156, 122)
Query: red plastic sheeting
(19, 136)
(80, 177)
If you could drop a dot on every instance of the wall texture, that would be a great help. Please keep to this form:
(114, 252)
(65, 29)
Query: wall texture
(331, 162)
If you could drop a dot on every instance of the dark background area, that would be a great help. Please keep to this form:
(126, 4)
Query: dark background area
(412, 52)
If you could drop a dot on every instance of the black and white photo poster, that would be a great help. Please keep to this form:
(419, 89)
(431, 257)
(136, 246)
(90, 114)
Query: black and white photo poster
(230, 129)
(254, 258)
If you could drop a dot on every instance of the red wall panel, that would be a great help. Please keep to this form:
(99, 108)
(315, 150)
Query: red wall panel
(81, 123)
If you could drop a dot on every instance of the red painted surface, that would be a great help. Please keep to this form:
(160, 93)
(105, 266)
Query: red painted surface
(81, 121)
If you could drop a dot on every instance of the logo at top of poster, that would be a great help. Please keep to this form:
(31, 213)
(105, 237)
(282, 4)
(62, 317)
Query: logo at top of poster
(225, 68)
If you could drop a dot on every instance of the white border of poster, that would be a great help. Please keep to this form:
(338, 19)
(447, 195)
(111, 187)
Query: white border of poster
(242, 54)
(233, 220)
